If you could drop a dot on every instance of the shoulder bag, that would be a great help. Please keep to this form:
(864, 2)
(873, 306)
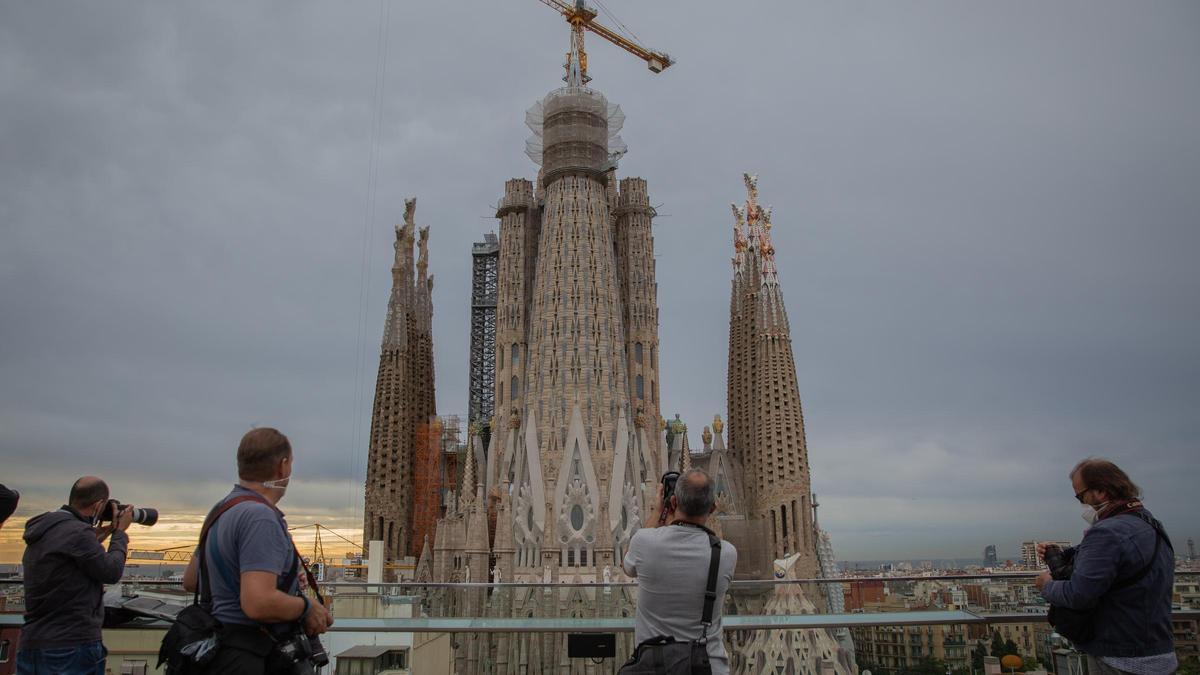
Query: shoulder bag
(191, 642)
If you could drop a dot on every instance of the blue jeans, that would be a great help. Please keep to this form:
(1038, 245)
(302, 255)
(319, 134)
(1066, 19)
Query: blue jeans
(85, 659)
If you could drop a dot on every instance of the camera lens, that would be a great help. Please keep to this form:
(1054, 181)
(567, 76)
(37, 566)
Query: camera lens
(145, 517)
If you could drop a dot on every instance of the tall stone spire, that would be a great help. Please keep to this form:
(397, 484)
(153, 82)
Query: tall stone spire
(404, 395)
(766, 421)
(572, 460)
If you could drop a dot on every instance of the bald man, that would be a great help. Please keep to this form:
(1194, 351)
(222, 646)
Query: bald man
(66, 568)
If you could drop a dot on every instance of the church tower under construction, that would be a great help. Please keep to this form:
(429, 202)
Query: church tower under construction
(575, 446)
(404, 396)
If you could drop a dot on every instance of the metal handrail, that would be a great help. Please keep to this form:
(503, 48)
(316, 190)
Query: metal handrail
(617, 584)
(741, 622)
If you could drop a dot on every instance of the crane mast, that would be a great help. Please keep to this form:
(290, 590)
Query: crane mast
(581, 18)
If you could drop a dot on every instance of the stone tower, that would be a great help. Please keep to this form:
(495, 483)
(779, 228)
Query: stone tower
(576, 344)
(766, 422)
(575, 450)
(404, 394)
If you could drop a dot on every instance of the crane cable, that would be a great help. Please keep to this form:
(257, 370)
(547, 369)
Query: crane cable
(613, 17)
(364, 283)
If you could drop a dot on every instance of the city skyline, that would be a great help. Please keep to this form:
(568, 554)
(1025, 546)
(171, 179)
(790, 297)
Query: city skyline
(986, 222)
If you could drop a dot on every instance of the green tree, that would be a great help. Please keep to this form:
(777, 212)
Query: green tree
(977, 655)
(927, 666)
(997, 645)
(1010, 647)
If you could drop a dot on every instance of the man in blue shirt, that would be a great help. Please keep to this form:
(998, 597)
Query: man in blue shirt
(1124, 570)
(252, 567)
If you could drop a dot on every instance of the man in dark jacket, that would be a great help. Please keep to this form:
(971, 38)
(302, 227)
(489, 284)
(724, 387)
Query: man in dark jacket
(1124, 570)
(66, 568)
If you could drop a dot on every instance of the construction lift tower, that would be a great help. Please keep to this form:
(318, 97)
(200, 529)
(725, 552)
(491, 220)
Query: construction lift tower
(484, 257)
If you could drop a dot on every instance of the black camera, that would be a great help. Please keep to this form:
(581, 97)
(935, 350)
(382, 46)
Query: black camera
(668, 480)
(1060, 562)
(141, 516)
(304, 653)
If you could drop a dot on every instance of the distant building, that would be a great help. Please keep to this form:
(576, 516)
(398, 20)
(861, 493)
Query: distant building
(989, 556)
(859, 594)
(1029, 556)
(895, 649)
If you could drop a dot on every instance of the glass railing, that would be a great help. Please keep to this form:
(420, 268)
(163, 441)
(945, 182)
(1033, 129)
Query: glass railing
(889, 624)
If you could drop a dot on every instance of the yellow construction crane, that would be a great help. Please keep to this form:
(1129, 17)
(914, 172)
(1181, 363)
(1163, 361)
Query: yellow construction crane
(581, 17)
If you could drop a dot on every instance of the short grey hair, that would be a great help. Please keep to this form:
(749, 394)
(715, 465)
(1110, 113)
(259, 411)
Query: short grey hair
(695, 493)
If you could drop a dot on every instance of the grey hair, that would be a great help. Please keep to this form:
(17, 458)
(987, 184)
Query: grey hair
(695, 493)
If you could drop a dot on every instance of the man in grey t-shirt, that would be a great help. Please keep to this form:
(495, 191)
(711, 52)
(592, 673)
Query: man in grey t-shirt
(671, 566)
(251, 565)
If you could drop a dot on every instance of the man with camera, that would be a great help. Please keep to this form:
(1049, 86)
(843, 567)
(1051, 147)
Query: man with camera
(66, 568)
(253, 571)
(1111, 594)
(671, 558)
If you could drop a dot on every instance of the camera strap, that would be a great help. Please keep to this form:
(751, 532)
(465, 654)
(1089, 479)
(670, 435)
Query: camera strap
(710, 589)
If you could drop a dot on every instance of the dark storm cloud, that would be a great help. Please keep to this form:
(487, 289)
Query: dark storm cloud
(985, 220)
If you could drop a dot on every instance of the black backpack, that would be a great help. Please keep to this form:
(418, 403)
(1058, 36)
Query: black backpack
(1078, 625)
(664, 655)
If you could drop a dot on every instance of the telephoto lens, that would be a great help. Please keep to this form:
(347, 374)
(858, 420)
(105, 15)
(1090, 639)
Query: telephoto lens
(141, 516)
(145, 517)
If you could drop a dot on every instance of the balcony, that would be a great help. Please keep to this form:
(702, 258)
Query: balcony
(900, 624)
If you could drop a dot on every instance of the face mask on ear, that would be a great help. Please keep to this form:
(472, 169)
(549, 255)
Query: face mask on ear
(99, 513)
(278, 483)
(1091, 513)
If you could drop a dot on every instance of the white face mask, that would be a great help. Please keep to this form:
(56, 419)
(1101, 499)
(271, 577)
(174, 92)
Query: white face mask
(1091, 513)
(280, 484)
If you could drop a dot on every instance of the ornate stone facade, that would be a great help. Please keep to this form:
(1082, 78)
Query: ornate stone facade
(404, 394)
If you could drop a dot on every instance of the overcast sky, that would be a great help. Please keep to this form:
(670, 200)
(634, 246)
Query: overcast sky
(986, 219)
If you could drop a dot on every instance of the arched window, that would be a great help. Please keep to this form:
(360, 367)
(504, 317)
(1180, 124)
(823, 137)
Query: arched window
(514, 389)
(500, 358)
(637, 353)
(641, 391)
(516, 355)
